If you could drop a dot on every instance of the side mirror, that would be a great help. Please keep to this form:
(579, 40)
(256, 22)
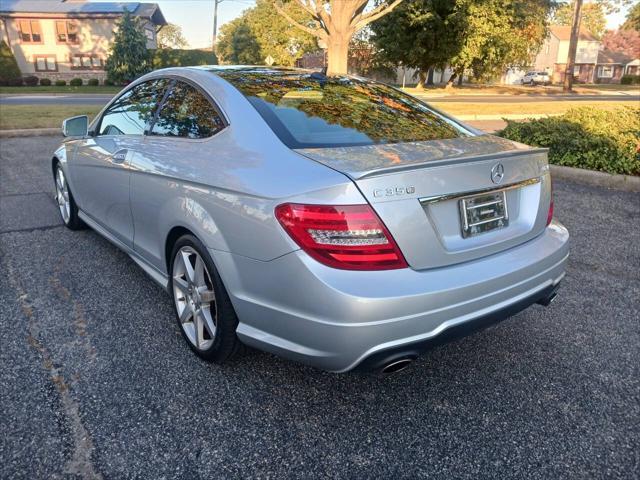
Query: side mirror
(75, 126)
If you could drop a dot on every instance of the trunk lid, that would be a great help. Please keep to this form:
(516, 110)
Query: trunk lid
(425, 192)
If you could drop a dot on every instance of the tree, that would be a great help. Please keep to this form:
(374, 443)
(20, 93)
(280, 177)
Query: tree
(421, 34)
(129, 57)
(632, 21)
(276, 36)
(500, 34)
(260, 32)
(335, 22)
(9, 70)
(626, 41)
(170, 36)
(593, 17)
(237, 44)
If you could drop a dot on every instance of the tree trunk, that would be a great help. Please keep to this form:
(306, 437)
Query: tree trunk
(430, 76)
(422, 77)
(338, 52)
(573, 47)
(452, 79)
(460, 78)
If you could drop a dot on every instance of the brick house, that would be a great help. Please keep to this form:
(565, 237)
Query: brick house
(612, 66)
(60, 39)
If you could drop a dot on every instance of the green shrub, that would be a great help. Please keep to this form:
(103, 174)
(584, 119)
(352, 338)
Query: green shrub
(45, 82)
(93, 82)
(170, 57)
(30, 81)
(108, 83)
(9, 71)
(630, 79)
(60, 83)
(75, 82)
(604, 140)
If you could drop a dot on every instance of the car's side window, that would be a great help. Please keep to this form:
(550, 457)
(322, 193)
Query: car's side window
(187, 113)
(134, 110)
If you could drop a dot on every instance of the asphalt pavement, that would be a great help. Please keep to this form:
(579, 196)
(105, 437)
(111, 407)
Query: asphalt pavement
(96, 380)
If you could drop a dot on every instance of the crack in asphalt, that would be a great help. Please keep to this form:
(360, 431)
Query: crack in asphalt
(80, 463)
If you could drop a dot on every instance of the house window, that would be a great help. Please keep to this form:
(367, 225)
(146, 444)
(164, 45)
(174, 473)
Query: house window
(605, 71)
(45, 63)
(576, 70)
(149, 33)
(30, 31)
(86, 62)
(66, 32)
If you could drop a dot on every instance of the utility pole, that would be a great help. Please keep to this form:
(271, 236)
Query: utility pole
(573, 47)
(215, 21)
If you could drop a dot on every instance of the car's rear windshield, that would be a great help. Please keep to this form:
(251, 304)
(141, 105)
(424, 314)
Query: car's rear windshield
(310, 110)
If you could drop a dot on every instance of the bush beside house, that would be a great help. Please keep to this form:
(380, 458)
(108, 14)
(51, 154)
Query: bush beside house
(9, 72)
(603, 140)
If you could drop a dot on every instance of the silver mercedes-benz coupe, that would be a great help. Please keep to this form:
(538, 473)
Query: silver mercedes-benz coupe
(331, 220)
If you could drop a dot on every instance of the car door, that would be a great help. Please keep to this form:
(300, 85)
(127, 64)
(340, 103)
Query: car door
(170, 163)
(101, 169)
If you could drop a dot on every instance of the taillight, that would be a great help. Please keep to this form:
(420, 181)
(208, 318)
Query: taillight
(349, 237)
(550, 213)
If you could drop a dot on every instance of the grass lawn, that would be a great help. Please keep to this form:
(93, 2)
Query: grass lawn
(54, 89)
(520, 90)
(45, 116)
(529, 108)
(41, 116)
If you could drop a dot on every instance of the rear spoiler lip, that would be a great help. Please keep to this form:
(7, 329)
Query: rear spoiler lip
(447, 161)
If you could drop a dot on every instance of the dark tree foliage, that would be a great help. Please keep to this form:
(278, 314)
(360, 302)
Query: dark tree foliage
(129, 58)
(9, 71)
(420, 34)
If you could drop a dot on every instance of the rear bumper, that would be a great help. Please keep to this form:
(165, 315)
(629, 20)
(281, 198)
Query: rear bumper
(339, 320)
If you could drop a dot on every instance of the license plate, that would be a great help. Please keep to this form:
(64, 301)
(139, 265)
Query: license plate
(483, 213)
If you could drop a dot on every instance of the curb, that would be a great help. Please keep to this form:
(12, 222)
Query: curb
(30, 132)
(626, 183)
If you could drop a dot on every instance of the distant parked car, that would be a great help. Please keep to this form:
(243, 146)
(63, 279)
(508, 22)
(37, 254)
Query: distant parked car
(328, 219)
(536, 78)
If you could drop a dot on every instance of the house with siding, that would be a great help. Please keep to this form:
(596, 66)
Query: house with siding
(60, 39)
(593, 63)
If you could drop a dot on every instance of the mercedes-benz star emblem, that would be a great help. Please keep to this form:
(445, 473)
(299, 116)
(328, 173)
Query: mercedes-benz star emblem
(497, 173)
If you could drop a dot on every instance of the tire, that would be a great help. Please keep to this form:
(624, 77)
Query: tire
(202, 306)
(66, 203)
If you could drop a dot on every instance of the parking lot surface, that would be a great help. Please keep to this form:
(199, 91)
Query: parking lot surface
(96, 380)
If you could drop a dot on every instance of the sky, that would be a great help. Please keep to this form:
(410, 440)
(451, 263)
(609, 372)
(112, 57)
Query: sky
(196, 17)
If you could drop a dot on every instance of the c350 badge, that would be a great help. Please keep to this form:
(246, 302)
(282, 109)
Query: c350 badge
(394, 191)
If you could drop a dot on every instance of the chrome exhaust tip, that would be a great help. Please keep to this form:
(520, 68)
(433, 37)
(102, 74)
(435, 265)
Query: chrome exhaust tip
(396, 366)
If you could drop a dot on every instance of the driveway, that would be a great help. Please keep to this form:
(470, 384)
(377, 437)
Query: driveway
(96, 380)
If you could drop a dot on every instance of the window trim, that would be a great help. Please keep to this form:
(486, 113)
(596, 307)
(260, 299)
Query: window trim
(86, 69)
(20, 32)
(601, 71)
(97, 125)
(66, 31)
(45, 56)
(175, 79)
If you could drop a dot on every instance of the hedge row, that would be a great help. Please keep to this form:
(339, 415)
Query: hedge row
(169, 57)
(587, 137)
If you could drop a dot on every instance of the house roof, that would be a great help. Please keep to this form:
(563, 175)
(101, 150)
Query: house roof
(611, 57)
(563, 33)
(82, 8)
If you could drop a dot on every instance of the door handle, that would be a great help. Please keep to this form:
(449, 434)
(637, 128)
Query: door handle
(119, 157)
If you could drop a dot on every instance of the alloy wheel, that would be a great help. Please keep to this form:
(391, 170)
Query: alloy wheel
(194, 298)
(62, 195)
